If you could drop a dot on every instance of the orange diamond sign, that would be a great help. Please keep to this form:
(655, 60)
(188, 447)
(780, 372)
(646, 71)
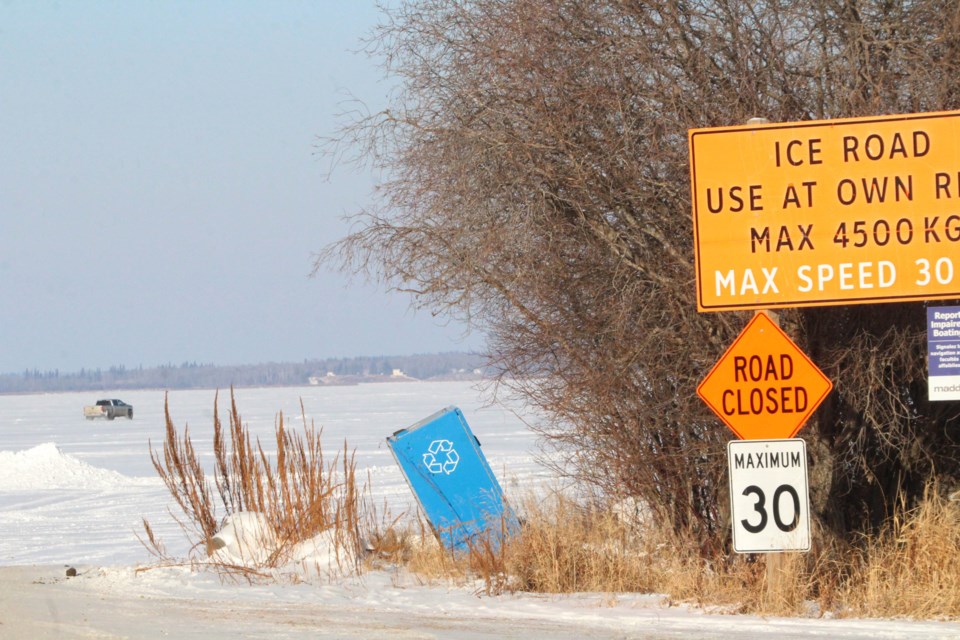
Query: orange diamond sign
(764, 387)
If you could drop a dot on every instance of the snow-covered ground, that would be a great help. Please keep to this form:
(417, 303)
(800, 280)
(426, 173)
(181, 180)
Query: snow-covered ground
(73, 493)
(75, 490)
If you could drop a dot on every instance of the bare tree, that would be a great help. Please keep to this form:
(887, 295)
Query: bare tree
(538, 187)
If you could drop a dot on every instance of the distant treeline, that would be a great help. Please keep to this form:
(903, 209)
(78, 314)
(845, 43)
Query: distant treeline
(190, 375)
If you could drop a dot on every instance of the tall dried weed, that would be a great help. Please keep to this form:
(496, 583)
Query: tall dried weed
(299, 495)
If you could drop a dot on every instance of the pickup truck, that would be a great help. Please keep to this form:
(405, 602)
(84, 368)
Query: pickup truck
(108, 409)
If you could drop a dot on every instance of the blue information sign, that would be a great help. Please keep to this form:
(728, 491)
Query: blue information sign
(943, 352)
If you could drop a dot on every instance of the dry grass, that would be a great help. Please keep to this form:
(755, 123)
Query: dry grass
(298, 496)
(912, 568)
(566, 547)
(569, 547)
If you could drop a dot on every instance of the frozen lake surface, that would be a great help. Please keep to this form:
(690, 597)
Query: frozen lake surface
(76, 490)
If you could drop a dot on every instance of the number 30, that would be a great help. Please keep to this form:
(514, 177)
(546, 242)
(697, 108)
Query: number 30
(759, 507)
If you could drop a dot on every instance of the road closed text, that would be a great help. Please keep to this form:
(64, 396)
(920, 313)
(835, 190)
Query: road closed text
(763, 386)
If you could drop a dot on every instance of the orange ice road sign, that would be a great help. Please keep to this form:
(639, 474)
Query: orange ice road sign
(764, 387)
(850, 211)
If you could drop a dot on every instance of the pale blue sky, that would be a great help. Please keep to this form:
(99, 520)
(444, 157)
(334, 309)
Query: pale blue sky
(160, 192)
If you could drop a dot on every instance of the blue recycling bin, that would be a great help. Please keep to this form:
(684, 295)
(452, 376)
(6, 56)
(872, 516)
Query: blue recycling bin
(452, 481)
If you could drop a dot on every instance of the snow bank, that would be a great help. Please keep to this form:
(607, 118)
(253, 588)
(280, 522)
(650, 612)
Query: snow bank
(247, 539)
(46, 467)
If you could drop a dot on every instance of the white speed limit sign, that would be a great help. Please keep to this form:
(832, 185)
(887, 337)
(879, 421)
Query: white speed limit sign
(769, 495)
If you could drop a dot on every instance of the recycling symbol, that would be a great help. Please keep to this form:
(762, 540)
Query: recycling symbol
(441, 457)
